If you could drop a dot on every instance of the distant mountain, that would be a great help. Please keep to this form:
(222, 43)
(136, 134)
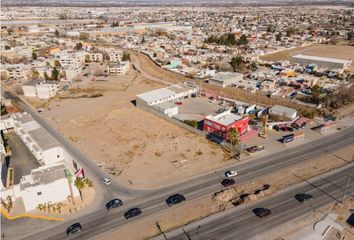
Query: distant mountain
(169, 2)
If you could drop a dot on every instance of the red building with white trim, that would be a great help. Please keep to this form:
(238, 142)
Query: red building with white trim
(221, 123)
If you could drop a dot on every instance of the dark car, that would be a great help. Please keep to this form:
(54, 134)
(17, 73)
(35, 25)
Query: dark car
(262, 212)
(114, 203)
(276, 128)
(228, 182)
(174, 199)
(74, 228)
(303, 197)
(350, 220)
(132, 213)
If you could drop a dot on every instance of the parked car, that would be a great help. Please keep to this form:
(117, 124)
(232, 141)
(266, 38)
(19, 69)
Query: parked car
(228, 182)
(106, 181)
(290, 129)
(211, 100)
(133, 212)
(276, 128)
(40, 110)
(254, 149)
(303, 197)
(178, 103)
(230, 173)
(174, 199)
(114, 203)
(74, 228)
(262, 212)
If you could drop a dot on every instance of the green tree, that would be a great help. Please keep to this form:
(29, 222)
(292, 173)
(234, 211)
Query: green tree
(78, 46)
(126, 56)
(243, 40)
(35, 74)
(290, 31)
(269, 29)
(55, 74)
(237, 62)
(80, 184)
(278, 37)
(34, 55)
(233, 136)
(143, 39)
(350, 35)
(316, 94)
(3, 110)
(57, 33)
(7, 47)
(253, 66)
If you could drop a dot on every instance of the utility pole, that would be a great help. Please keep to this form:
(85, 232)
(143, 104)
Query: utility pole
(159, 227)
(346, 187)
(187, 234)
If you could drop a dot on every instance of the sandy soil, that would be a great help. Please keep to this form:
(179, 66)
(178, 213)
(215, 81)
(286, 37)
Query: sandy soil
(123, 139)
(322, 50)
(185, 213)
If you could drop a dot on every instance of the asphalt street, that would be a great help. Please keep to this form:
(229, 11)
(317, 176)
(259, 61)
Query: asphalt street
(97, 220)
(241, 223)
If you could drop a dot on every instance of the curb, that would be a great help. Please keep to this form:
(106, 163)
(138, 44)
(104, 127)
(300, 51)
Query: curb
(11, 218)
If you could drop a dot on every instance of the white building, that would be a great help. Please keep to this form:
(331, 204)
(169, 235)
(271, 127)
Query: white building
(226, 78)
(171, 93)
(46, 184)
(96, 57)
(282, 111)
(168, 108)
(71, 59)
(40, 89)
(321, 62)
(51, 182)
(118, 68)
(115, 55)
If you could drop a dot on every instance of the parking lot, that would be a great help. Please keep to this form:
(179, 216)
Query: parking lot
(21, 159)
(196, 108)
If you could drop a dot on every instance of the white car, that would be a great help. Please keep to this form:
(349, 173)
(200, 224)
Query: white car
(230, 173)
(106, 181)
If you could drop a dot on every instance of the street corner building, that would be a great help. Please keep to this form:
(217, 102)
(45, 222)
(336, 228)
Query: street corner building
(220, 124)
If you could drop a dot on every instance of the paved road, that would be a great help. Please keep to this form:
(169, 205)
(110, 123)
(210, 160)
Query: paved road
(241, 222)
(102, 221)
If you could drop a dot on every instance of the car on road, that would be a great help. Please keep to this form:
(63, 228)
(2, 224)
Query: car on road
(175, 199)
(114, 203)
(230, 173)
(228, 182)
(276, 128)
(133, 212)
(106, 181)
(303, 197)
(178, 103)
(262, 212)
(350, 220)
(211, 100)
(40, 110)
(74, 228)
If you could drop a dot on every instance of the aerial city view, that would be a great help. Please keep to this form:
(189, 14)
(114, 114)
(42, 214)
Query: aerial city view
(177, 120)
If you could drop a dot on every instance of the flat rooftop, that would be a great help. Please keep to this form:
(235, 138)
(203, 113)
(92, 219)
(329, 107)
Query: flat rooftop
(223, 76)
(322, 59)
(43, 138)
(163, 93)
(225, 118)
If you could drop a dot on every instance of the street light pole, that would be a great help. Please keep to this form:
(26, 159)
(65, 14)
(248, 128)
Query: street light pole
(345, 190)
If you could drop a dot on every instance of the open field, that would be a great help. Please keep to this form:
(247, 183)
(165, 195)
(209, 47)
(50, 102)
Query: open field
(185, 213)
(322, 50)
(127, 142)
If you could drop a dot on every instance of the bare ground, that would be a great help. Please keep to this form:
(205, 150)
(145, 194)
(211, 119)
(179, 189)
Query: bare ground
(322, 50)
(125, 140)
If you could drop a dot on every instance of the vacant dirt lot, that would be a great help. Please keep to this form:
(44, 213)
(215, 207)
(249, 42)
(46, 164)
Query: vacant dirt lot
(131, 144)
(322, 50)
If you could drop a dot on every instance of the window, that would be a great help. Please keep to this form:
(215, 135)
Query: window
(39, 193)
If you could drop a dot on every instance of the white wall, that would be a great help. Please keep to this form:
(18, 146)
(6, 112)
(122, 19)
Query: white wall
(54, 192)
(29, 91)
